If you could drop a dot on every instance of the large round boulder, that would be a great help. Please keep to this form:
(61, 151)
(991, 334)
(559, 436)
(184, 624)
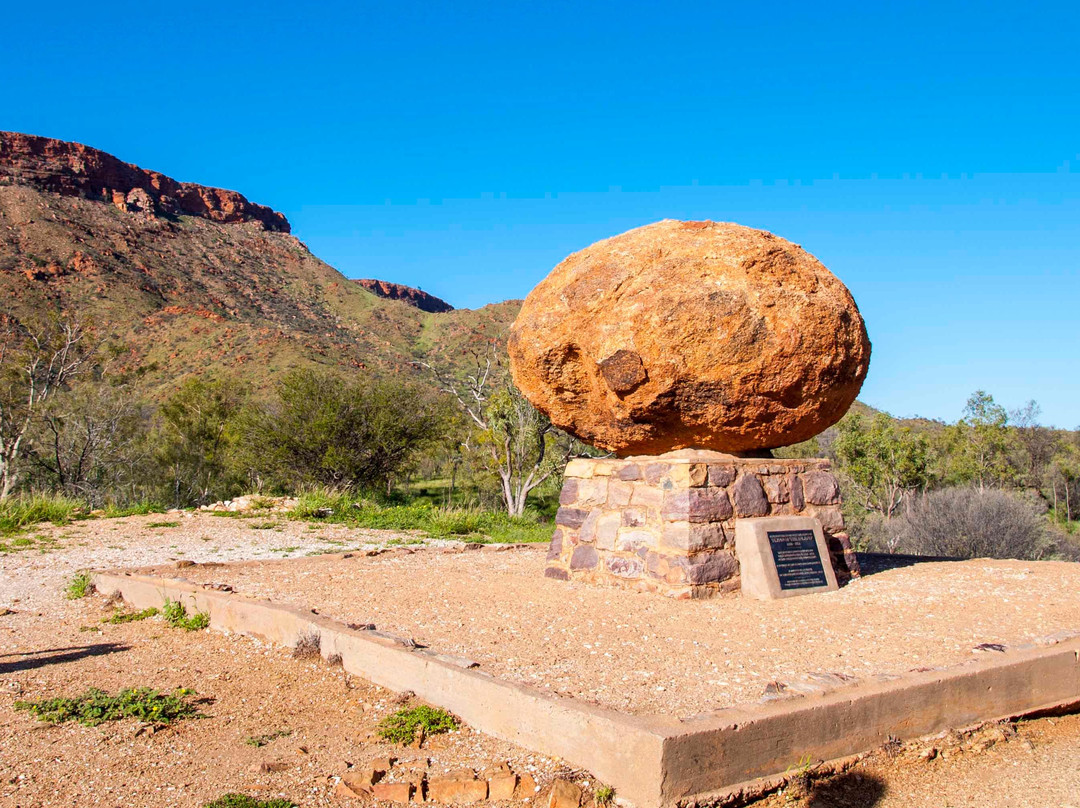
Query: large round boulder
(700, 335)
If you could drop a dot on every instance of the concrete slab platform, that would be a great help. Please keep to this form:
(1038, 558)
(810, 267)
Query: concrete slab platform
(645, 655)
(660, 760)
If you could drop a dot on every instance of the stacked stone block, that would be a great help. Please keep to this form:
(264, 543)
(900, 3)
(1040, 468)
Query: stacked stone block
(667, 523)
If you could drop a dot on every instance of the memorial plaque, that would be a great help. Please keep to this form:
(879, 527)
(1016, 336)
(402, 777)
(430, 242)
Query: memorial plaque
(783, 557)
(798, 562)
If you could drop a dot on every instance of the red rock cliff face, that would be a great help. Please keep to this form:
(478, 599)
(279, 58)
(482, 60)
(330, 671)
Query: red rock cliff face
(414, 297)
(76, 170)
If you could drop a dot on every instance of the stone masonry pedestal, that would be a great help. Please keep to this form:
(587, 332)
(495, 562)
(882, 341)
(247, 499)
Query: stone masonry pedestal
(666, 523)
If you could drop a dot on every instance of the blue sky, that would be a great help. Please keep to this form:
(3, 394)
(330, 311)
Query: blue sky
(927, 153)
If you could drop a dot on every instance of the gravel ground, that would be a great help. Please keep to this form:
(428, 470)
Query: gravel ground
(646, 654)
(1029, 764)
(59, 552)
(52, 646)
(483, 603)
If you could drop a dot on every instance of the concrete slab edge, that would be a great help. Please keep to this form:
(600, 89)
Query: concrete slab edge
(622, 750)
(655, 760)
(723, 751)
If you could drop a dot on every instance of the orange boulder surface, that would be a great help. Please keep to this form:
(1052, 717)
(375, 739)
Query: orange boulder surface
(681, 335)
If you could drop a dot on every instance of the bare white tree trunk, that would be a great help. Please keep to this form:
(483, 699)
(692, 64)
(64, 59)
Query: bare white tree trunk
(44, 361)
(520, 457)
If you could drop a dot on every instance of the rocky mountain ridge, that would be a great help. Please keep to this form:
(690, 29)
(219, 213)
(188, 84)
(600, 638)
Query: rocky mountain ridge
(72, 169)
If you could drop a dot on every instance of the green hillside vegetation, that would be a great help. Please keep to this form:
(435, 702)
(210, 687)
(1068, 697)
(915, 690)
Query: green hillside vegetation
(177, 296)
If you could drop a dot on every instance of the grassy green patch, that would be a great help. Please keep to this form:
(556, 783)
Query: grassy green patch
(400, 727)
(263, 740)
(96, 707)
(134, 509)
(263, 525)
(176, 616)
(131, 617)
(461, 523)
(163, 524)
(80, 586)
(21, 512)
(24, 511)
(244, 801)
(24, 543)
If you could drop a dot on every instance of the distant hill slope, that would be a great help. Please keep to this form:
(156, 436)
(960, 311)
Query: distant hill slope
(196, 279)
(414, 297)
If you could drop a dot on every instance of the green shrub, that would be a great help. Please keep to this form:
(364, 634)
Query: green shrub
(176, 616)
(400, 727)
(196, 438)
(973, 523)
(96, 707)
(604, 795)
(244, 801)
(327, 429)
(80, 586)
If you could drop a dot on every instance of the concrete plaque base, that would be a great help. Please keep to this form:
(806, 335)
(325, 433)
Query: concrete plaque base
(783, 557)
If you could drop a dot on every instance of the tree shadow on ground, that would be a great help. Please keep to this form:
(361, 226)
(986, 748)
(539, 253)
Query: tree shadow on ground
(847, 790)
(873, 563)
(58, 656)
